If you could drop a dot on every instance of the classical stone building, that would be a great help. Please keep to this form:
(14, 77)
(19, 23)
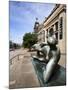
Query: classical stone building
(54, 23)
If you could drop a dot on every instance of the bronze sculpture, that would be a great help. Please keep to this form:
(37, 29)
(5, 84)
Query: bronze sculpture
(50, 54)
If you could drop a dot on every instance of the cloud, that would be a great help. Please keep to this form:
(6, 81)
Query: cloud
(23, 14)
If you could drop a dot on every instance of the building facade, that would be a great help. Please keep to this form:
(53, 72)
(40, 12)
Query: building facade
(55, 23)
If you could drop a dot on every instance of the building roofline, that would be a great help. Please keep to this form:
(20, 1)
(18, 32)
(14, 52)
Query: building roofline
(57, 6)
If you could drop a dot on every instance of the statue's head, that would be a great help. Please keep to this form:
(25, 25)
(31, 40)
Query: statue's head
(51, 40)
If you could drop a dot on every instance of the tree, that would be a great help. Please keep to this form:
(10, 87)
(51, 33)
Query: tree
(29, 39)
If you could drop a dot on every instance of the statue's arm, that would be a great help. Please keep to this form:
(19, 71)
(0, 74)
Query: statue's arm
(51, 65)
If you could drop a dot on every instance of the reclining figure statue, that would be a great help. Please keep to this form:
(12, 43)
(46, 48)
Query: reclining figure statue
(51, 55)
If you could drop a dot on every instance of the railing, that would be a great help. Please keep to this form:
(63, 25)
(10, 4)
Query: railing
(15, 57)
(18, 55)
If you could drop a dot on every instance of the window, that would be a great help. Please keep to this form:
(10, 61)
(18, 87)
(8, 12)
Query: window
(56, 32)
(61, 28)
(43, 35)
(46, 33)
(51, 32)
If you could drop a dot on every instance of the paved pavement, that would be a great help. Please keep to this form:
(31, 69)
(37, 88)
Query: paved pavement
(22, 73)
(16, 52)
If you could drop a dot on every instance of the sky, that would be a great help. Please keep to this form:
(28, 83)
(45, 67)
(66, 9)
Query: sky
(22, 16)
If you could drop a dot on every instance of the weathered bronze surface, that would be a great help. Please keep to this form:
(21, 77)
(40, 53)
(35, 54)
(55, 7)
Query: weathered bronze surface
(58, 77)
(50, 54)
